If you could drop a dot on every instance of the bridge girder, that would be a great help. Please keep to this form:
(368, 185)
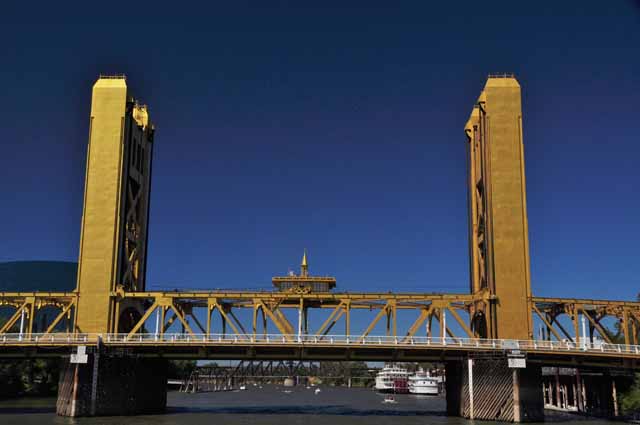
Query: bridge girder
(28, 305)
(625, 313)
(179, 307)
(272, 305)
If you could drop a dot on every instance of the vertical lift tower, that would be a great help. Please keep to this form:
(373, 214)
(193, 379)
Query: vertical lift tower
(113, 257)
(485, 388)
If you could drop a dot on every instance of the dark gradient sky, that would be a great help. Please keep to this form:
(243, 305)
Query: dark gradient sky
(337, 129)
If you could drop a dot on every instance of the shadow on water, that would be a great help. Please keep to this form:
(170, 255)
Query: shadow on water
(552, 416)
(8, 410)
(323, 410)
(339, 410)
(340, 406)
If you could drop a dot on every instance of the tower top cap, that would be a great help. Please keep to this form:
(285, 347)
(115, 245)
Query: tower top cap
(502, 80)
(112, 77)
(502, 75)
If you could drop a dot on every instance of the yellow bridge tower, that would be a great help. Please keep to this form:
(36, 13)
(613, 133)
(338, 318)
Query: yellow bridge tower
(499, 234)
(116, 208)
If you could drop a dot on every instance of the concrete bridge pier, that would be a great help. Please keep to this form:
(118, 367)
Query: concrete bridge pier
(110, 386)
(487, 389)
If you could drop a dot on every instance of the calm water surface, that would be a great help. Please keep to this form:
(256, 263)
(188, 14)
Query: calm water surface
(269, 406)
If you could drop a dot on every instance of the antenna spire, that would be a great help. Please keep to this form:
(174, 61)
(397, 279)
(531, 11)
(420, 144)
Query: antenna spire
(304, 267)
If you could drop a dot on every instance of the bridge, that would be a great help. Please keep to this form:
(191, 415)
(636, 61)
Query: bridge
(118, 335)
(308, 347)
(214, 377)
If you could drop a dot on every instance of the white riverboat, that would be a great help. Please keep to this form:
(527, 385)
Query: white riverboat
(392, 379)
(423, 383)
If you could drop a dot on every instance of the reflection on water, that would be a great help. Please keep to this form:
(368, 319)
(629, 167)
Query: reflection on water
(270, 405)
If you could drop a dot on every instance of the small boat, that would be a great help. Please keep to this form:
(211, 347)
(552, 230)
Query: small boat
(389, 399)
(242, 387)
(317, 391)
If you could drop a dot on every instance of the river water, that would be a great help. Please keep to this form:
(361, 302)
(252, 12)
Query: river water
(271, 405)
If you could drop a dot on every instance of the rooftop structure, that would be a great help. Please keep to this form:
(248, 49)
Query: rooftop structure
(304, 283)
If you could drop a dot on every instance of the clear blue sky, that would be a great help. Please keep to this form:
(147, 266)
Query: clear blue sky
(337, 129)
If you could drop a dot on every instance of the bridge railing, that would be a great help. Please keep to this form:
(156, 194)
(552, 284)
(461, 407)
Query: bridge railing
(311, 340)
(46, 338)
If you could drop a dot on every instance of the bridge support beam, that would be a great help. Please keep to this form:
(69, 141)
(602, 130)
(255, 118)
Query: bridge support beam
(487, 389)
(111, 386)
(591, 392)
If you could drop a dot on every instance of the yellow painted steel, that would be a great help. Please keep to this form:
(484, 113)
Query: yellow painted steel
(549, 310)
(182, 307)
(319, 296)
(304, 267)
(111, 297)
(499, 239)
(115, 214)
(31, 303)
(272, 304)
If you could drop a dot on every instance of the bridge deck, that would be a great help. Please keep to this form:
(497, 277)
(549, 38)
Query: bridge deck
(382, 348)
(5, 297)
(429, 308)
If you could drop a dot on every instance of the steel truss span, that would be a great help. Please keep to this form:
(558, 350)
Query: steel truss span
(428, 335)
(114, 309)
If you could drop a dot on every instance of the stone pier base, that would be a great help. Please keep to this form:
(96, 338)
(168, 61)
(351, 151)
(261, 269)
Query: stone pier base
(112, 386)
(487, 389)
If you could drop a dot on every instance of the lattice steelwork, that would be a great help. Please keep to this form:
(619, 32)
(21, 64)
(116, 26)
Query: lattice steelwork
(55, 310)
(586, 319)
(111, 304)
(138, 142)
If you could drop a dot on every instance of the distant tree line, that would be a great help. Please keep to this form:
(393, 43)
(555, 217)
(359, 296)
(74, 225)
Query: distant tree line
(33, 377)
(180, 369)
(630, 399)
(28, 377)
(39, 377)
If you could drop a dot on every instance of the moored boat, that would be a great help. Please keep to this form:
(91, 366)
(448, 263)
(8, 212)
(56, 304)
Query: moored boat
(392, 379)
(423, 383)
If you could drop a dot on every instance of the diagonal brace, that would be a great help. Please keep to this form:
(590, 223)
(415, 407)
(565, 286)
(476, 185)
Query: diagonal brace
(331, 318)
(12, 321)
(64, 311)
(463, 325)
(143, 319)
(546, 322)
(383, 311)
(424, 314)
(596, 324)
